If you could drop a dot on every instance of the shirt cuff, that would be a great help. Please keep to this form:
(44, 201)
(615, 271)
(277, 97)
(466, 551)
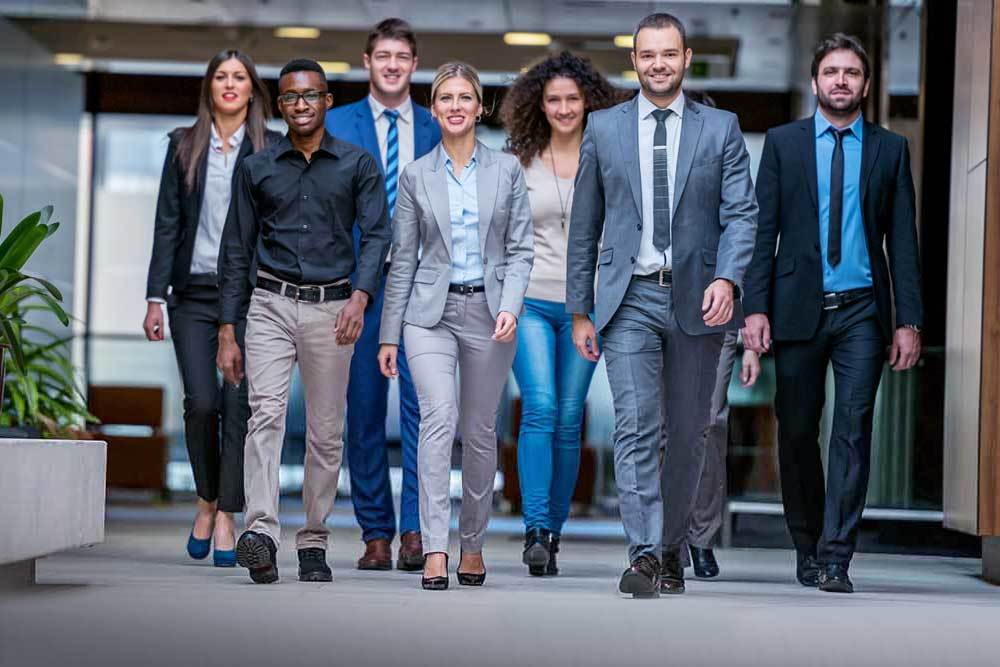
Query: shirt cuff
(155, 299)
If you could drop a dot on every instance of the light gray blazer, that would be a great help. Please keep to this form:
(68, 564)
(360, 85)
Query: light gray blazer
(417, 286)
(714, 213)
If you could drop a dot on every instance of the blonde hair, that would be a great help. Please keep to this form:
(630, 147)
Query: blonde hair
(457, 69)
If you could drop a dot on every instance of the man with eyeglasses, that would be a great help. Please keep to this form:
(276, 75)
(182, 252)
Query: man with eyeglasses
(288, 238)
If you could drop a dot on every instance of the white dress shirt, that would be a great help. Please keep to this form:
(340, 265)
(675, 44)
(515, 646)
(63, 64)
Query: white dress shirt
(404, 126)
(215, 201)
(650, 259)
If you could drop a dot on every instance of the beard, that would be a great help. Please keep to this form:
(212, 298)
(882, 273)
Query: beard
(661, 90)
(845, 106)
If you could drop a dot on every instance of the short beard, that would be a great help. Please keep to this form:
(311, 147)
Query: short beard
(643, 83)
(827, 104)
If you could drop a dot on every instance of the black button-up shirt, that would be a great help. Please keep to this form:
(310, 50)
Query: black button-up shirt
(294, 219)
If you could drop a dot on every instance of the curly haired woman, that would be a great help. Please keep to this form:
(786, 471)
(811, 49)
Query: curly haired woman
(545, 112)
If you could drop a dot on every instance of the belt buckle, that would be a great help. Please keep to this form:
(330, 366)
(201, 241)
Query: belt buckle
(291, 291)
(669, 278)
(303, 291)
(833, 305)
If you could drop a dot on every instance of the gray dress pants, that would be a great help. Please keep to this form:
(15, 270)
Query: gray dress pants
(461, 341)
(658, 375)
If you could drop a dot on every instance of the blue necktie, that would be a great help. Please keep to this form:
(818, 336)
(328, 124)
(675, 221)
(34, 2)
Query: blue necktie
(391, 158)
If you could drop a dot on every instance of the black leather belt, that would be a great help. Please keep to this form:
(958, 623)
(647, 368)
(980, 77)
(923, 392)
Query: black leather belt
(835, 300)
(465, 289)
(306, 293)
(663, 277)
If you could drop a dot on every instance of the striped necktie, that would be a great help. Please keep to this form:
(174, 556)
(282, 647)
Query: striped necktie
(391, 158)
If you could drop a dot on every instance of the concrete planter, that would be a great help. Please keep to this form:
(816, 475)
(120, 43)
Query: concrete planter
(52, 495)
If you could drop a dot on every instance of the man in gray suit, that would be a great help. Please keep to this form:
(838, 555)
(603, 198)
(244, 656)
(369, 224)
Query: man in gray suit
(665, 212)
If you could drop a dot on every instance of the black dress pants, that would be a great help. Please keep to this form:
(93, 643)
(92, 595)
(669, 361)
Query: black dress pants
(824, 518)
(215, 413)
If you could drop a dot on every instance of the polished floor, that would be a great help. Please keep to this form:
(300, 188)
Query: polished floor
(137, 600)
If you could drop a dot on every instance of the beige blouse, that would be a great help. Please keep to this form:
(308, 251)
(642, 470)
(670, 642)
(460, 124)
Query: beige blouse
(548, 274)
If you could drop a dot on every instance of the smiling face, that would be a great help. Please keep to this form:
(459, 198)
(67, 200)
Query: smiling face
(660, 60)
(390, 66)
(840, 85)
(563, 105)
(295, 90)
(231, 88)
(456, 106)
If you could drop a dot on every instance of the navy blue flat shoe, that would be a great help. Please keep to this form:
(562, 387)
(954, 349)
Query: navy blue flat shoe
(224, 558)
(198, 549)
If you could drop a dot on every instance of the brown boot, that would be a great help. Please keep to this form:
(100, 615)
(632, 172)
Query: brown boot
(411, 552)
(378, 555)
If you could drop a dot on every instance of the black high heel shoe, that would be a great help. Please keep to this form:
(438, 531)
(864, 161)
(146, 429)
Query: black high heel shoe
(436, 583)
(469, 578)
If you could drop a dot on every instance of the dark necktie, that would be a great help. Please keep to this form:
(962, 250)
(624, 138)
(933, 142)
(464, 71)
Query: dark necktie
(836, 198)
(391, 159)
(661, 183)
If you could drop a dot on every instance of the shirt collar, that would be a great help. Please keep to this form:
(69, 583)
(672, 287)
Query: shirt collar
(822, 124)
(234, 141)
(646, 107)
(405, 109)
(472, 160)
(328, 145)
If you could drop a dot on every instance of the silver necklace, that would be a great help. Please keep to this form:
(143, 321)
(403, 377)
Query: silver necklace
(569, 195)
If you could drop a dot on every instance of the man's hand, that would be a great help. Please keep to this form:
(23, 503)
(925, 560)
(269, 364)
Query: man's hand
(718, 303)
(229, 359)
(751, 368)
(506, 327)
(757, 333)
(351, 318)
(585, 337)
(905, 350)
(153, 324)
(387, 360)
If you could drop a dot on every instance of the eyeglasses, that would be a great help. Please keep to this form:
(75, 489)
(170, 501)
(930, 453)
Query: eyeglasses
(311, 97)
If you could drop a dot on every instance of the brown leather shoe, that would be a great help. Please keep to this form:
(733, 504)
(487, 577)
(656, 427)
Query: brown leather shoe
(411, 552)
(378, 555)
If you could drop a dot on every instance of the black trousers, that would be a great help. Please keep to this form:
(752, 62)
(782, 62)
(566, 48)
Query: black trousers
(215, 413)
(823, 518)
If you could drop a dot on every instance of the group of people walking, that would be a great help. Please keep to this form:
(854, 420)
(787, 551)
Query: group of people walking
(381, 240)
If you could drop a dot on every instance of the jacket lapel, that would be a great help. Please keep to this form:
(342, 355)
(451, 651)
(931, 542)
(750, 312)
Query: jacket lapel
(869, 155)
(628, 127)
(807, 151)
(246, 148)
(436, 189)
(691, 126)
(487, 185)
(423, 135)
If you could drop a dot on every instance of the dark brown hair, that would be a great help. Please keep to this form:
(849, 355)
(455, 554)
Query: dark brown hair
(837, 42)
(391, 29)
(521, 111)
(193, 141)
(660, 20)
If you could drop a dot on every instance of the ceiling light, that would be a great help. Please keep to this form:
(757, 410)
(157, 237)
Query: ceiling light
(68, 58)
(623, 41)
(296, 32)
(335, 66)
(527, 39)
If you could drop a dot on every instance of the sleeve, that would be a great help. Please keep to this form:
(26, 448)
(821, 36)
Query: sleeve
(239, 240)
(737, 211)
(519, 243)
(757, 283)
(373, 223)
(167, 227)
(586, 227)
(903, 247)
(406, 246)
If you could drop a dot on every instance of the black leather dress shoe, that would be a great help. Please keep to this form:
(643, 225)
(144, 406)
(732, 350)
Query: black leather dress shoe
(258, 553)
(671, 573)
(704, 563)
(807, 570)
(312, 565)
(536, 550)
(833, 579)
(552, 569)
(642, 579)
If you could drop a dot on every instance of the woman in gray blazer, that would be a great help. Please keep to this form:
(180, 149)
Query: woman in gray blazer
(462, 254)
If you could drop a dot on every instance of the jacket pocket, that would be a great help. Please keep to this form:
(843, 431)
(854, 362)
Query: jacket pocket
(427, 276)
(709, 256)
(605, 256)
(784, 267)
(501, 271)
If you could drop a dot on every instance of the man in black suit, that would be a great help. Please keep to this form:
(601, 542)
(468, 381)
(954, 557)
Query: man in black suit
(838, 192)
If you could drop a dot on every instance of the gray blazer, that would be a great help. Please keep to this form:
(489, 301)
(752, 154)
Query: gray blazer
(714, 213)
(417, 285)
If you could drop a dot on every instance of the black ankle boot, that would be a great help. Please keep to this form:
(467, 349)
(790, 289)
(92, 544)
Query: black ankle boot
(552, 569)
(536, 550)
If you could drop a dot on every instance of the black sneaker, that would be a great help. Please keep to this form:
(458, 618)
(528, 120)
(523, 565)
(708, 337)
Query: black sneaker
(642, 579)
(833, 579)
(258, 553)
(312, 565)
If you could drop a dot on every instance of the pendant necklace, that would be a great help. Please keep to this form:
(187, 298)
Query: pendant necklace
(562, 204)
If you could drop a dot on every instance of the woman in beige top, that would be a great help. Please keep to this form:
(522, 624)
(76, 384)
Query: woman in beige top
(545, 112)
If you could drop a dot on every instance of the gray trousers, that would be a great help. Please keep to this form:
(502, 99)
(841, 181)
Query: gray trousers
(461, 341)
(281, 332)
(658, 376)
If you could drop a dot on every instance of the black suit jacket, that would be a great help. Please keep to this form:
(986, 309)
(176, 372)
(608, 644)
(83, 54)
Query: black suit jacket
(788, 286)
(177, 213)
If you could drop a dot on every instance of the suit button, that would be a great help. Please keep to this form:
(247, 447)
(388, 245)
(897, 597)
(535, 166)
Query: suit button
(486, 261)
(304, 197)
(639, 226)
(632, 259)
(816, 246)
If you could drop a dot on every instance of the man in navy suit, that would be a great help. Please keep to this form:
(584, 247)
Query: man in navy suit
(395, 131)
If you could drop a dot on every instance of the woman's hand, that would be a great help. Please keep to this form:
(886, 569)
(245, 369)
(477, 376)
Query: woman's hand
(506, 328)
(387, 360)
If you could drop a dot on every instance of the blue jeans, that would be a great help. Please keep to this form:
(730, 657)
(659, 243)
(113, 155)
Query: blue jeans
(554, 380)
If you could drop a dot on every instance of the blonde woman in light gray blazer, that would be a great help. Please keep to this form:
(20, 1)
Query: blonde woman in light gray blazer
(462, 254)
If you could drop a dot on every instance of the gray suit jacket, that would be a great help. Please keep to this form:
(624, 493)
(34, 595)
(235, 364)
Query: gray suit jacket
(714, 213)
(417, 285)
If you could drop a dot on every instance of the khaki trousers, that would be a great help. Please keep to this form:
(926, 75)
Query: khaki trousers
(281, 331)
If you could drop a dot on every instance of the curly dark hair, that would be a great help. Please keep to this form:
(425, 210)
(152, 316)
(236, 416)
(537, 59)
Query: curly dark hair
(521, 111)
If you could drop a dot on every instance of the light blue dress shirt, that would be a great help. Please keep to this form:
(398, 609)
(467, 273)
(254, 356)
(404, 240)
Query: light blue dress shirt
(463, 204)
(854, 270)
